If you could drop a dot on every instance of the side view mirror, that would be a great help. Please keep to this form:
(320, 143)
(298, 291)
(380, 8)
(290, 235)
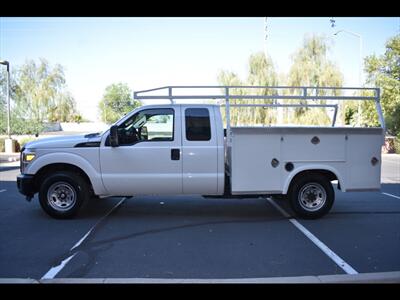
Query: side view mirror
(114, 136)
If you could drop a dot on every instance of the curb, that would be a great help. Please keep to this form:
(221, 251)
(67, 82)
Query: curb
(382, 277)
(17, 280)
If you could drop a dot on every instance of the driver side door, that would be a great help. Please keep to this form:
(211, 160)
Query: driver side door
(147, 160)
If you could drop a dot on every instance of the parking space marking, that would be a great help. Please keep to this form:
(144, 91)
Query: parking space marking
(332, 255)
(56, 269)
(2, 191)
(387, 194)
(98, 222)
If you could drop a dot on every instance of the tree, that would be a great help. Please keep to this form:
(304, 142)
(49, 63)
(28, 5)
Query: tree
(232, 79)
(19, 124)
(384, 72)
(3, 98)
(261, 72)
(38, 93)
(116, 102)
(41, 93)
(3, 102)
(63, 109)
(311, 67)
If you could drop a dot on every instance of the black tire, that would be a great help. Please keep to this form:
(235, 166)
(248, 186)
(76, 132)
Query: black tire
(311, 196)
(62, 194)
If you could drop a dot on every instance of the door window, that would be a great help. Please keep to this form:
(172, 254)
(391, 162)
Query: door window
(147, 125)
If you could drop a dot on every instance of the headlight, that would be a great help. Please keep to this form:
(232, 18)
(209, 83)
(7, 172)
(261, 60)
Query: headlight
(27, 157)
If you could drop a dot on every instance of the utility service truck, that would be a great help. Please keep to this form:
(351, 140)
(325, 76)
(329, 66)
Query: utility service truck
(181, 147)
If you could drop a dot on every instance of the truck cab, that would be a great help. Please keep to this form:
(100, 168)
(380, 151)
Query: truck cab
(165, 149)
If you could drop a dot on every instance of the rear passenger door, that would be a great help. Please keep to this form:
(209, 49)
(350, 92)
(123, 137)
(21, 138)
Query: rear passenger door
(199, 150)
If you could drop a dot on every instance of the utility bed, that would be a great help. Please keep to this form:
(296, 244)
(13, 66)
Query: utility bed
(265, 166)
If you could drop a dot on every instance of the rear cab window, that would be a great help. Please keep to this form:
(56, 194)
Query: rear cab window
(197, 124)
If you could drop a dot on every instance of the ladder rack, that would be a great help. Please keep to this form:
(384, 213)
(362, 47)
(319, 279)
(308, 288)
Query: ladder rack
(307, 93)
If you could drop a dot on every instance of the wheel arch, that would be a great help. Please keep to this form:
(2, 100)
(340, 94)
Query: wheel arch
(64, 161)
(55, 167)
(328, 172)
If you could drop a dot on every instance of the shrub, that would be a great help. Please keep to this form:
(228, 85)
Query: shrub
(397, 144)
(20, 125)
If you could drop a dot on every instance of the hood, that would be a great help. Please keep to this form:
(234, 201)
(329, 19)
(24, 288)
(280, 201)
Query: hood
(70, 141)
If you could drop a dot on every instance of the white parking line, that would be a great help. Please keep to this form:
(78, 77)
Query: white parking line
(2, 191)
(332, 255)
(387, 194)
(98, 222)
(56, 269)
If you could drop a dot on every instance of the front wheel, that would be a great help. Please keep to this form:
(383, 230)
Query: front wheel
(311, 196)
(61, 194)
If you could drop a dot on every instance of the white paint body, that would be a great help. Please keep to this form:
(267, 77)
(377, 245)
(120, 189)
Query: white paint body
(146, 168)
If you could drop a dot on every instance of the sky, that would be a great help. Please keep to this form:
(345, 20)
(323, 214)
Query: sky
(152, 52)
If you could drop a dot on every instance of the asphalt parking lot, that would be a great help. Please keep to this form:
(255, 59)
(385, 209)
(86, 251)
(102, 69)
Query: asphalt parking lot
(191, 237)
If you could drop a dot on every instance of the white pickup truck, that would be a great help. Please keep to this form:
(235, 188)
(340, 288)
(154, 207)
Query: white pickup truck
(184, 149)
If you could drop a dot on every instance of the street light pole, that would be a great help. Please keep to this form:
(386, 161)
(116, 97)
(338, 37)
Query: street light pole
(6, 63)
(360, 79)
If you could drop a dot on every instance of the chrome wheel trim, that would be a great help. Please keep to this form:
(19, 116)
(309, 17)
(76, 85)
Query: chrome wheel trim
(312, 196)
(61, 196)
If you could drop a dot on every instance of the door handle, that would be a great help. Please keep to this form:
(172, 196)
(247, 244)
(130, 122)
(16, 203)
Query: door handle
(175, 154)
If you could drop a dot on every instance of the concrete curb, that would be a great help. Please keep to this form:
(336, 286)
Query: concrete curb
(17, 280)
(383, 277)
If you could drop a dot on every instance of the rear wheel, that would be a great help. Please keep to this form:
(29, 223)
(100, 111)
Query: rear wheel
(311, 196)
(62, 194)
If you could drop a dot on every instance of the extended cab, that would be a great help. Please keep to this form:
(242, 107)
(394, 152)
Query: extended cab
(184, 149)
